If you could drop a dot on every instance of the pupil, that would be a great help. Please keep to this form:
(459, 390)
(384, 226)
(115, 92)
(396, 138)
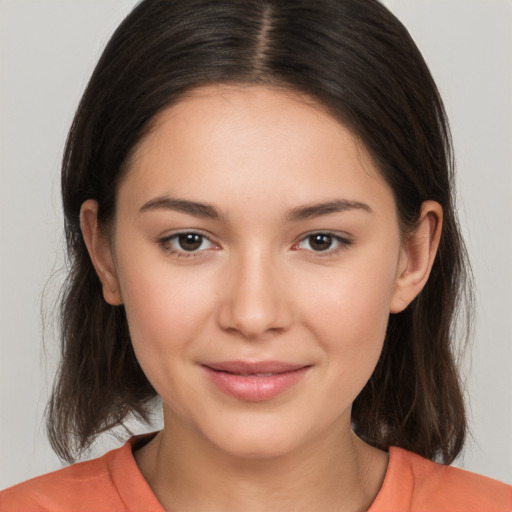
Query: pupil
(190, 241)
(320, 242)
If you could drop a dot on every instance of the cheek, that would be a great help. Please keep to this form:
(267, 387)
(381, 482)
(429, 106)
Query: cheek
(167, 314)
(349, 311)
(354, 299)
(166, 308)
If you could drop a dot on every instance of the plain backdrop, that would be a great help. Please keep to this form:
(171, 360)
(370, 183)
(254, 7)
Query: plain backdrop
(47, 51)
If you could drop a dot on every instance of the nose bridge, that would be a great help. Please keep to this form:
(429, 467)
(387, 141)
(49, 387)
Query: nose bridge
(255, 298)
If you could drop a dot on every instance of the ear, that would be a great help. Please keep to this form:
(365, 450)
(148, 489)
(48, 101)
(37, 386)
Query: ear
(417, 257)
(100, 251)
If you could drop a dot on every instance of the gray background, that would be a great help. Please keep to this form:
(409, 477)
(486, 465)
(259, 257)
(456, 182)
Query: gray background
(47, 51)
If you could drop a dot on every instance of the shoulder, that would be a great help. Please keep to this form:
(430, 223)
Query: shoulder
(103, 484)
(413, 483)
(442, 486)
(84, 482)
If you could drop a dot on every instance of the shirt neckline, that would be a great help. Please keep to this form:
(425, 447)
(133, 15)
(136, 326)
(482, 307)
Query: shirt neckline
(136, 493)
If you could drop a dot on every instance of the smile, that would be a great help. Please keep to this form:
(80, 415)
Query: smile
(254, 382)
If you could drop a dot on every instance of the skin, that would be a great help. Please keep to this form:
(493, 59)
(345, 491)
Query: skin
(256, 289)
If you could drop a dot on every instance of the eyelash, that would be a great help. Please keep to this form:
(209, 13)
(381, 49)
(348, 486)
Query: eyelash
(341, 243)
(166, 244)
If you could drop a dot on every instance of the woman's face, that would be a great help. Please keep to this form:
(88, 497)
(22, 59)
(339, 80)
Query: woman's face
(257, 252)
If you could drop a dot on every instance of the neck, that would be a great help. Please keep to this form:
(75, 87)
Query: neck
(338, 473)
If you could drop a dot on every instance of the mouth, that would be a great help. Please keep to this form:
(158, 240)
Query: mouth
(254, 381)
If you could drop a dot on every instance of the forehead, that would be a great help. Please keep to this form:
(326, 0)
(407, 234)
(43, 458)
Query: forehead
(251, 140)
(258, 113)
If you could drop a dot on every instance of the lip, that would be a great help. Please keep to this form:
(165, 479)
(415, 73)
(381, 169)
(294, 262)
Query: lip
(254, 381)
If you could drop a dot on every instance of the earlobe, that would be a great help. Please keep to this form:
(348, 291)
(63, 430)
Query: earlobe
(100, 252)
(418, 255)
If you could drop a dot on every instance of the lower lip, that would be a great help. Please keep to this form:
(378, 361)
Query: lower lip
(254, 388)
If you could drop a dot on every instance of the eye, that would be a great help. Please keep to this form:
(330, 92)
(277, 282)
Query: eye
(190, 241)
(186, 243)
(322, 242)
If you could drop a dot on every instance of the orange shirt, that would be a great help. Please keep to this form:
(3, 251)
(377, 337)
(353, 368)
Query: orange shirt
(114, 483)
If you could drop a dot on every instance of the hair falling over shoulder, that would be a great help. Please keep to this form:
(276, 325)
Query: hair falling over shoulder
(355, 58)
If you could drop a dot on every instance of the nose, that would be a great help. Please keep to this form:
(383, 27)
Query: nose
(255, 298)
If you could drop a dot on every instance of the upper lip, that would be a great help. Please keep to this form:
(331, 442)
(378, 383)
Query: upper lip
(248, 368)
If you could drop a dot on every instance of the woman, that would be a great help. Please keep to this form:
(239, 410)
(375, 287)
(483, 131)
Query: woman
(259, 215)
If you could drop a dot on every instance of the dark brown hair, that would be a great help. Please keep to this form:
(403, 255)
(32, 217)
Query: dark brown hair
(358, 61)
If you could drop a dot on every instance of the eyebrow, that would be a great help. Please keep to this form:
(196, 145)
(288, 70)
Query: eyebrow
(182, 205)
(209, 211)
(317, 210)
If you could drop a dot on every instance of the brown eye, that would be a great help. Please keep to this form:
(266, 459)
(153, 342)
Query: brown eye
(190, 241)
(323, 242)
(320, 242)
(186, 243)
